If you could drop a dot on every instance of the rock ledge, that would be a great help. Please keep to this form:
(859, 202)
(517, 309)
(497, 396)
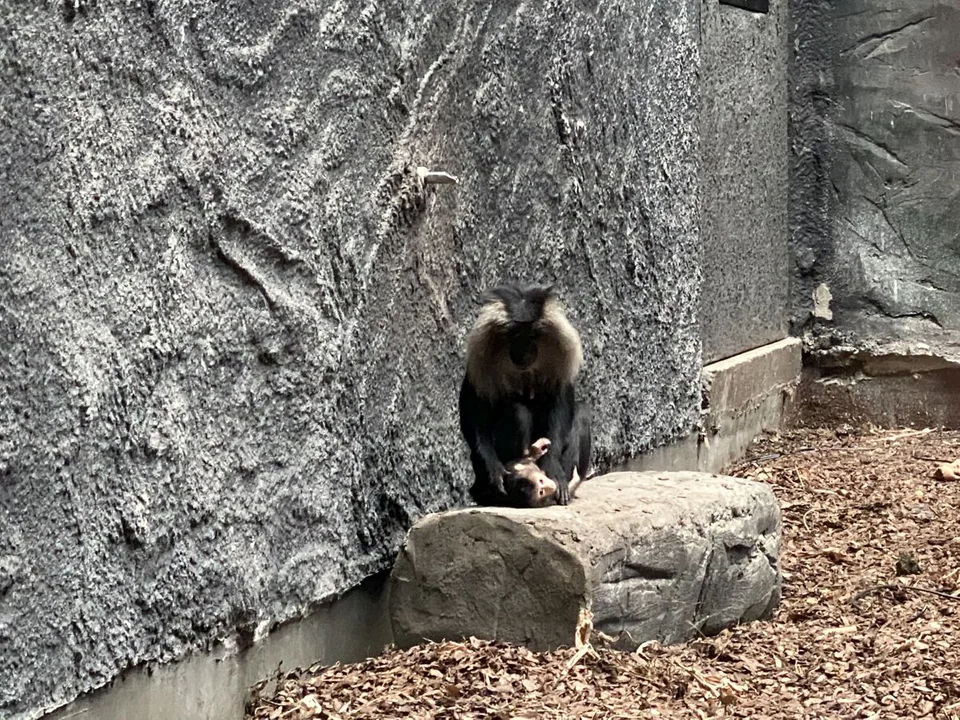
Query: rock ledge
(662, 555)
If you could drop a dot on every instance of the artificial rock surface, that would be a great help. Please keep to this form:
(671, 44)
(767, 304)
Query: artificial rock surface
(746, 256)
(231, 324)
(662, 556)
(875, 176)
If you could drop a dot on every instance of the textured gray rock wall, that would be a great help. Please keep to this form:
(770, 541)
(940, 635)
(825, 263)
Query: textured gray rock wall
(232, 327)
(875, 175)
(746, 258)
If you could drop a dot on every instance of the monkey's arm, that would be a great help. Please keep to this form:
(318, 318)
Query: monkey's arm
(477, 428)
(560, 427)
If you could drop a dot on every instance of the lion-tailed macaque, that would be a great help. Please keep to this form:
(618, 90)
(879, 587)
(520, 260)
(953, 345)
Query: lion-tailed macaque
(527, 486)
(523, 357)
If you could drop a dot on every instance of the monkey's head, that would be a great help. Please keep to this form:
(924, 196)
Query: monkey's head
(522, 338)
(529, 487)
(524, 312)
(526, 485)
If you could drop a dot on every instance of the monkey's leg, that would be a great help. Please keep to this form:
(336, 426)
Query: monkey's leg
(513, 432)
(485, 489)
(560, 431)
(575, 483)
(570, 455)
(584, 427)
(574, 447)
(492, 453)
(576, 454)
(478, 424)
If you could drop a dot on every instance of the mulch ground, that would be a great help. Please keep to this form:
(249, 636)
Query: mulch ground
(867, 627)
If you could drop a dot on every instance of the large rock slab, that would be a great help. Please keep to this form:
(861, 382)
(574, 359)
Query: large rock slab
(662, 556)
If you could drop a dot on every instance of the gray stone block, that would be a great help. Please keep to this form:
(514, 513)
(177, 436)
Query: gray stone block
(662, 556)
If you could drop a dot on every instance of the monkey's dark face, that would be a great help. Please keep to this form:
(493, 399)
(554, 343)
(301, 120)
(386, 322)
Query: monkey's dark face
(524, 311)
(523, 347)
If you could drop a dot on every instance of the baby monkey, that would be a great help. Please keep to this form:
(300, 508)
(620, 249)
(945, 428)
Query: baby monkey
(527, 486)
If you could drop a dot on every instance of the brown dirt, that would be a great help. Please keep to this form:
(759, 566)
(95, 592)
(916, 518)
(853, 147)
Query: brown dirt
(850, 640)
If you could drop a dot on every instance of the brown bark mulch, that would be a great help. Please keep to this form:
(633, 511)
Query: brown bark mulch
(867, 627)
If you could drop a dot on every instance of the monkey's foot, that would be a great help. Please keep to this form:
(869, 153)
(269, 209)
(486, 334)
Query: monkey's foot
(575, 482)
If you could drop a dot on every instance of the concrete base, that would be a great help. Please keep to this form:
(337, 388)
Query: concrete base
(215, 686)
(886, 391)
(742, 396)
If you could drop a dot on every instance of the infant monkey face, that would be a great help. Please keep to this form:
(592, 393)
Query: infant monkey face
(527, 486)
(530, 489)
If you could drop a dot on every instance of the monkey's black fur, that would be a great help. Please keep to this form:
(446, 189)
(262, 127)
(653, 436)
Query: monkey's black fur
(522, 359)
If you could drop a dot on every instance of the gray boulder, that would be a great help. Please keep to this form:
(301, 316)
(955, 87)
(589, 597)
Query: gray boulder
(662, 556)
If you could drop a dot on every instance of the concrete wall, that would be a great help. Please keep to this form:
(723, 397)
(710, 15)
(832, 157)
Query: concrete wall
(215, 685)
(875, 176)
(744, 126)
(232, 325)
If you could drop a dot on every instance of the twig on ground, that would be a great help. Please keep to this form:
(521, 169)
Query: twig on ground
(804, 519)
(902, 435)
(855, 600)
(582, 640)
(927, 458)
(769, 457)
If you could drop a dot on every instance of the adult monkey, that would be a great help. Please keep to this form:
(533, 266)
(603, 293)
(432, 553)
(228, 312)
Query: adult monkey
(523, 357)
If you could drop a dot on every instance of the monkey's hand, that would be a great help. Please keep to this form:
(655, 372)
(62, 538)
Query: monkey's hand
(537, 450)
(526, 464)
(552, 468)
(497, 474)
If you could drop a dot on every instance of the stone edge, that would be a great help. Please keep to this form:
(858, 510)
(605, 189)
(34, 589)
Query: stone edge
(743, 396)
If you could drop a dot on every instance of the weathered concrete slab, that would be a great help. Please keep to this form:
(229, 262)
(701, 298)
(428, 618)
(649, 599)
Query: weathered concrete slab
(743, 396)
(663, 556)
(894, 390)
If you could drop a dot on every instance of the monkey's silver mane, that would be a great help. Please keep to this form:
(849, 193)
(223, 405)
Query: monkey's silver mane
(489, 368)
